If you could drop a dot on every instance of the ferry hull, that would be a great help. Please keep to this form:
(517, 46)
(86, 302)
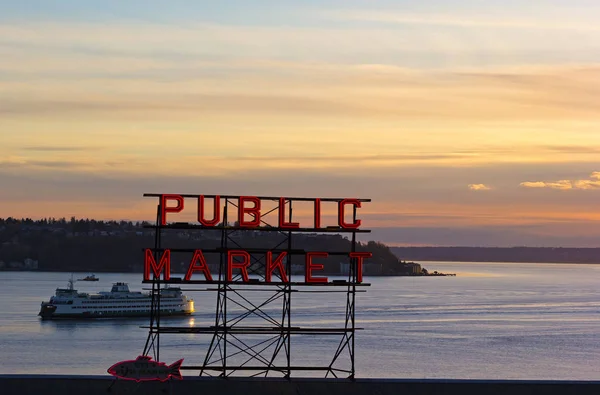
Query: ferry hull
(46, 316)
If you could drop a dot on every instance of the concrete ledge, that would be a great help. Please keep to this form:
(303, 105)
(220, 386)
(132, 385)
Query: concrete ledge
(96, 385)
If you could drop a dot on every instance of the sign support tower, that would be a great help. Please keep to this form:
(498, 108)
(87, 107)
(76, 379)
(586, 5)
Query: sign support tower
(254, 331)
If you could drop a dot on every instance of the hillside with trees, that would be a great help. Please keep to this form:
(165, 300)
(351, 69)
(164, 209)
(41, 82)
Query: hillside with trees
(88, 245)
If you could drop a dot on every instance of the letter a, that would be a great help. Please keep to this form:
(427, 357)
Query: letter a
(194, 267)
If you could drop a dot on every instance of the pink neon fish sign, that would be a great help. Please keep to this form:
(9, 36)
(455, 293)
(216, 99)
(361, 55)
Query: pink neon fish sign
(143, 368)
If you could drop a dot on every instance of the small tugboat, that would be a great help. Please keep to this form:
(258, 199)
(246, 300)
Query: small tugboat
(91, 277)
(67, 303)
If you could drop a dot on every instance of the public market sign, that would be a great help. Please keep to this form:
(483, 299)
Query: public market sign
(250, 214)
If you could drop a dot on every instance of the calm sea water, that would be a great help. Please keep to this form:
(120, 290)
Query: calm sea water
(492, 321)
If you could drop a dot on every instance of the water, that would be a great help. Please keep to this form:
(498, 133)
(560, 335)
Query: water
(492, 321)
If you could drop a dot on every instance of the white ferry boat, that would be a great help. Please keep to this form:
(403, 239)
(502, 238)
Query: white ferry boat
(119, 302)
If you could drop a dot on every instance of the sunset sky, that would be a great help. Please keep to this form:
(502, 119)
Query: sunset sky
(472, 123)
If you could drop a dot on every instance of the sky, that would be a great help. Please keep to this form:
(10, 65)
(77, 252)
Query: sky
(471, 123)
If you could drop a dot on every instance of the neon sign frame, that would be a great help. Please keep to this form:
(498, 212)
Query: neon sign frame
(198, 262)
(233, 333)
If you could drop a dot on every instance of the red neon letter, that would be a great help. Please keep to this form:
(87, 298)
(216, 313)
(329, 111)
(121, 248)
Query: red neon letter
(310, 266)
(216, 211)
(282, 223)
(164, 209)
(359, 262)
(354, 225)
(317, 213)
(202, 267)
(278, 264)
(165, 263)
(242, 266)
(254, 211)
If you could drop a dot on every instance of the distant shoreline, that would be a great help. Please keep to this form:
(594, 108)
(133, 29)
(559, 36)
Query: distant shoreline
(511, 262)
(432, 274)
(525, 255)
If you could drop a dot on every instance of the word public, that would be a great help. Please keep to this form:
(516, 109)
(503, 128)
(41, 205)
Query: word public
(239, 261)
(249, 211)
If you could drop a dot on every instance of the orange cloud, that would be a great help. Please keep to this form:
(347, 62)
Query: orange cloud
(592, 183)
(535, 184)
(479, 187)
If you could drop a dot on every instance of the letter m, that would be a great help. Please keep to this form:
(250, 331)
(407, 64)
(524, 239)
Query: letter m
(150, 263)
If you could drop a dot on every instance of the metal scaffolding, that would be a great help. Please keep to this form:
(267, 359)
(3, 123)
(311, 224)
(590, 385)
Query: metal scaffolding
(253, 332)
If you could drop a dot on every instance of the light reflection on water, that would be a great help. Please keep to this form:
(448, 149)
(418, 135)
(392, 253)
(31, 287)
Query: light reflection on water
(494, 321)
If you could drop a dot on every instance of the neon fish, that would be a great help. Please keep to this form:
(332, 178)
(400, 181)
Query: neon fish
(144, 369)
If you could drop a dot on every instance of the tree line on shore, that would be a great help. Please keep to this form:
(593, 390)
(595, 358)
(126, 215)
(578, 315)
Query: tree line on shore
(117, 246)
